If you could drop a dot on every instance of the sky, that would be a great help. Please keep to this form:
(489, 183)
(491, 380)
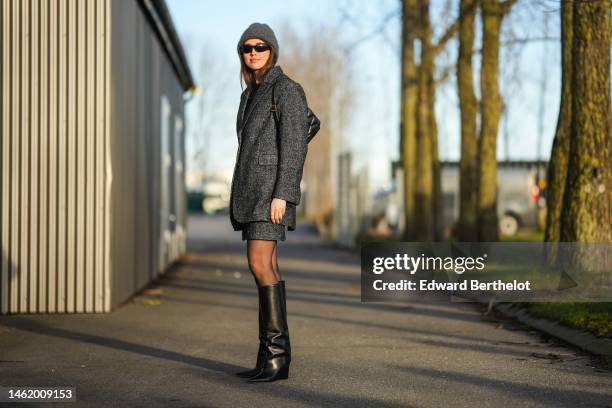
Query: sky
(215, 27)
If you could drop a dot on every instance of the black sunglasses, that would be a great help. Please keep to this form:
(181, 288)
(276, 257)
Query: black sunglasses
(247, 48)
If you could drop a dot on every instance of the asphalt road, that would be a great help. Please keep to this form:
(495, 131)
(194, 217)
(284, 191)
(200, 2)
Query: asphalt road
(179, 343)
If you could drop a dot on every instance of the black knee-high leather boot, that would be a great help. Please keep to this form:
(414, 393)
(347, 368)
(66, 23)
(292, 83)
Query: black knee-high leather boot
(276, 333)
(261, 354)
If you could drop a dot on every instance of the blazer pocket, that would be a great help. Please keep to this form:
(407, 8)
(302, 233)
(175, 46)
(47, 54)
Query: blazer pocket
(267, 159)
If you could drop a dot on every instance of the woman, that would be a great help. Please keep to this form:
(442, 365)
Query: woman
(266, 186)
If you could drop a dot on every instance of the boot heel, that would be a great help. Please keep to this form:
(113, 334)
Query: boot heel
(283, 374)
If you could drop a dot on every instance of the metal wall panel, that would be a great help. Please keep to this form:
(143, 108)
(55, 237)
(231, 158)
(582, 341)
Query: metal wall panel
(54, 123)
(84, 220)
(147, 217)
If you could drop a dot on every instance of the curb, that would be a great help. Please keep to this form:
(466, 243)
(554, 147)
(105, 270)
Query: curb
(578, 338)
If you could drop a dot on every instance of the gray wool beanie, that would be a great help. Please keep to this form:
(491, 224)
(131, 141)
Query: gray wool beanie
(261, 31)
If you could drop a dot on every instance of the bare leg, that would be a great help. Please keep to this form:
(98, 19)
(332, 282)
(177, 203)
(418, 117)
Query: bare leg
(259, 254)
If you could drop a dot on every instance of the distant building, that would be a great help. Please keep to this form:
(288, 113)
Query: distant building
(92, 204)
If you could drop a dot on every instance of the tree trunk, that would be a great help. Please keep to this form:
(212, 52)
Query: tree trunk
(467, 226)
(408, 114)
(424, 186)
(587, 203)
(491, 105)
(557, 166)
(437, 204)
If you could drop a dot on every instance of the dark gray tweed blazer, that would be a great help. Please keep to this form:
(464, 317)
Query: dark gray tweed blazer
(269, 165)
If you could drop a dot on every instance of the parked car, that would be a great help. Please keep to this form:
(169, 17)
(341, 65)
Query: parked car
(520, 198)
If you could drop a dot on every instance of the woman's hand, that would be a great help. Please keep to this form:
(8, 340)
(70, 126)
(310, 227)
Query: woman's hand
(277, 210)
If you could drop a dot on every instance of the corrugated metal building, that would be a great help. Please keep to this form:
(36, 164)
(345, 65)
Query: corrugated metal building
(92, 153)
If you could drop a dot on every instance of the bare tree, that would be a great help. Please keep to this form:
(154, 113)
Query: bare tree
(467, 226)
(428, 195)
(330, 92)
(493, 12)
(557, 167)
(424, 214)
(587, 200)
(212, 78)
(408, 113)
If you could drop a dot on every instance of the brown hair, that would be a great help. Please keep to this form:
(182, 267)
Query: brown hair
(249, 76)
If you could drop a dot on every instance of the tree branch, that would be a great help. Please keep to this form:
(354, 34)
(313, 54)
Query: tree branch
(378, 30)
(506, 5)
(522, 41)
(452, 29)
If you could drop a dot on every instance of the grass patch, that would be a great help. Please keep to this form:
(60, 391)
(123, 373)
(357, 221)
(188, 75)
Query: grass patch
(593, 317)
(524, 236)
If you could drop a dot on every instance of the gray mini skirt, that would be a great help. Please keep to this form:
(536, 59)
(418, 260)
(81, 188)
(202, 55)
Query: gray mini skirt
(263, 230)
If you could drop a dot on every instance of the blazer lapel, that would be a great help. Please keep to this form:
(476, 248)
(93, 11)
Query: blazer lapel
(265, 86)
(259, 96)
(240, 120)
